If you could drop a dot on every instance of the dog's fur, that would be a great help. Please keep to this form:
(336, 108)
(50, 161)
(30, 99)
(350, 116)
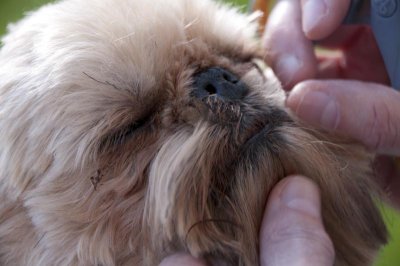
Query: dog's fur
(106, 158)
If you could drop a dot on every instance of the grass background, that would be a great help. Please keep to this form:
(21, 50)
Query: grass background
(12, 10)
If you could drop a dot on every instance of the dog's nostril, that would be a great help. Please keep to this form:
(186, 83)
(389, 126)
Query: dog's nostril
(211, 89)
(230, 77)
(219, 82)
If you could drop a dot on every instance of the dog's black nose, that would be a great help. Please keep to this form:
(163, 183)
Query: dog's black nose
(219, 82)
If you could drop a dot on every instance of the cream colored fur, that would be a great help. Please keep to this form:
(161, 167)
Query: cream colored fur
(77, 189)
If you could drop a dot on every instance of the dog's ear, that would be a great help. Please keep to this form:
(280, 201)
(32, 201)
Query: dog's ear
(23, 154)
(20, 161)
(343, 172)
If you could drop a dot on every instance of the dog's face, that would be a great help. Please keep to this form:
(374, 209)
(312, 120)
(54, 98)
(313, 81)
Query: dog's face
(130, 130)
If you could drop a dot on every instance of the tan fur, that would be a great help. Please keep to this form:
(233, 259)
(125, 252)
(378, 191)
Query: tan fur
(193, 176)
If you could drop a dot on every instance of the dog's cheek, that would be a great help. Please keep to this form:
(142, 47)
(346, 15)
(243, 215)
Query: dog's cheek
(342, 171)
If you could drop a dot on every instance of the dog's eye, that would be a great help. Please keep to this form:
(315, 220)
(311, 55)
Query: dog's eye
(128, 131)
(124, 133)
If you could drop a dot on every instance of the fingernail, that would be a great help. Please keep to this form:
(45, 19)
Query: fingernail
(313, 13)
(287, 66)
(301, 194)
(315, 107)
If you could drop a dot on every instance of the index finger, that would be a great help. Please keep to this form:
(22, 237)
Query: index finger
(288, 51)
(322, 17)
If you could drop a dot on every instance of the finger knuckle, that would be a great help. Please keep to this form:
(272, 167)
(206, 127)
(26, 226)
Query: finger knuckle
(383, 127)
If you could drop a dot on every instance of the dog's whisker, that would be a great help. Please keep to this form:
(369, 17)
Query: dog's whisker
(191, 23)
(40, 239)
(102, 82)
(184, 43)
(124, 37)
(205, 221)
(238, 125)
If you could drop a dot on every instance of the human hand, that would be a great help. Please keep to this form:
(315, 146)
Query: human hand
(367, 112)
(292, 232)
(294, 26)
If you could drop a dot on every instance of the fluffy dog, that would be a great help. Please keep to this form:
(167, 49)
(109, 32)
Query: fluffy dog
(131, 130)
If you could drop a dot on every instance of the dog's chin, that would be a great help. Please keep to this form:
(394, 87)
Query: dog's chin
(214, 186)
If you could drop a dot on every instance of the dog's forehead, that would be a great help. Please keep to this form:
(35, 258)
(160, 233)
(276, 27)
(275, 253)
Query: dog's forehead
(156, 36)
(134, 40)
(138, 38)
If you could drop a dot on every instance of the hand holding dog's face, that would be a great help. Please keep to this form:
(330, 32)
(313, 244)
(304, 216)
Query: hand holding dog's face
(130, 131)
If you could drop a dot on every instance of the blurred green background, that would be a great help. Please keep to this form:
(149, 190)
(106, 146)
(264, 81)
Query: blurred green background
(12, 10)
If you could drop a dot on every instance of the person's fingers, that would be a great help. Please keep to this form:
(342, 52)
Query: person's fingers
(292, 232)
(288, 51)
(367, 112)
(182, 259)
(322, 17)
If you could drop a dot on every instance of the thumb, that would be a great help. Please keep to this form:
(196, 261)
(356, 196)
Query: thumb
(367, 112)
(292, 232)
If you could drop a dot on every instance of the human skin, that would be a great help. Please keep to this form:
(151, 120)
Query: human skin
(347, 93)
(292, 231)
